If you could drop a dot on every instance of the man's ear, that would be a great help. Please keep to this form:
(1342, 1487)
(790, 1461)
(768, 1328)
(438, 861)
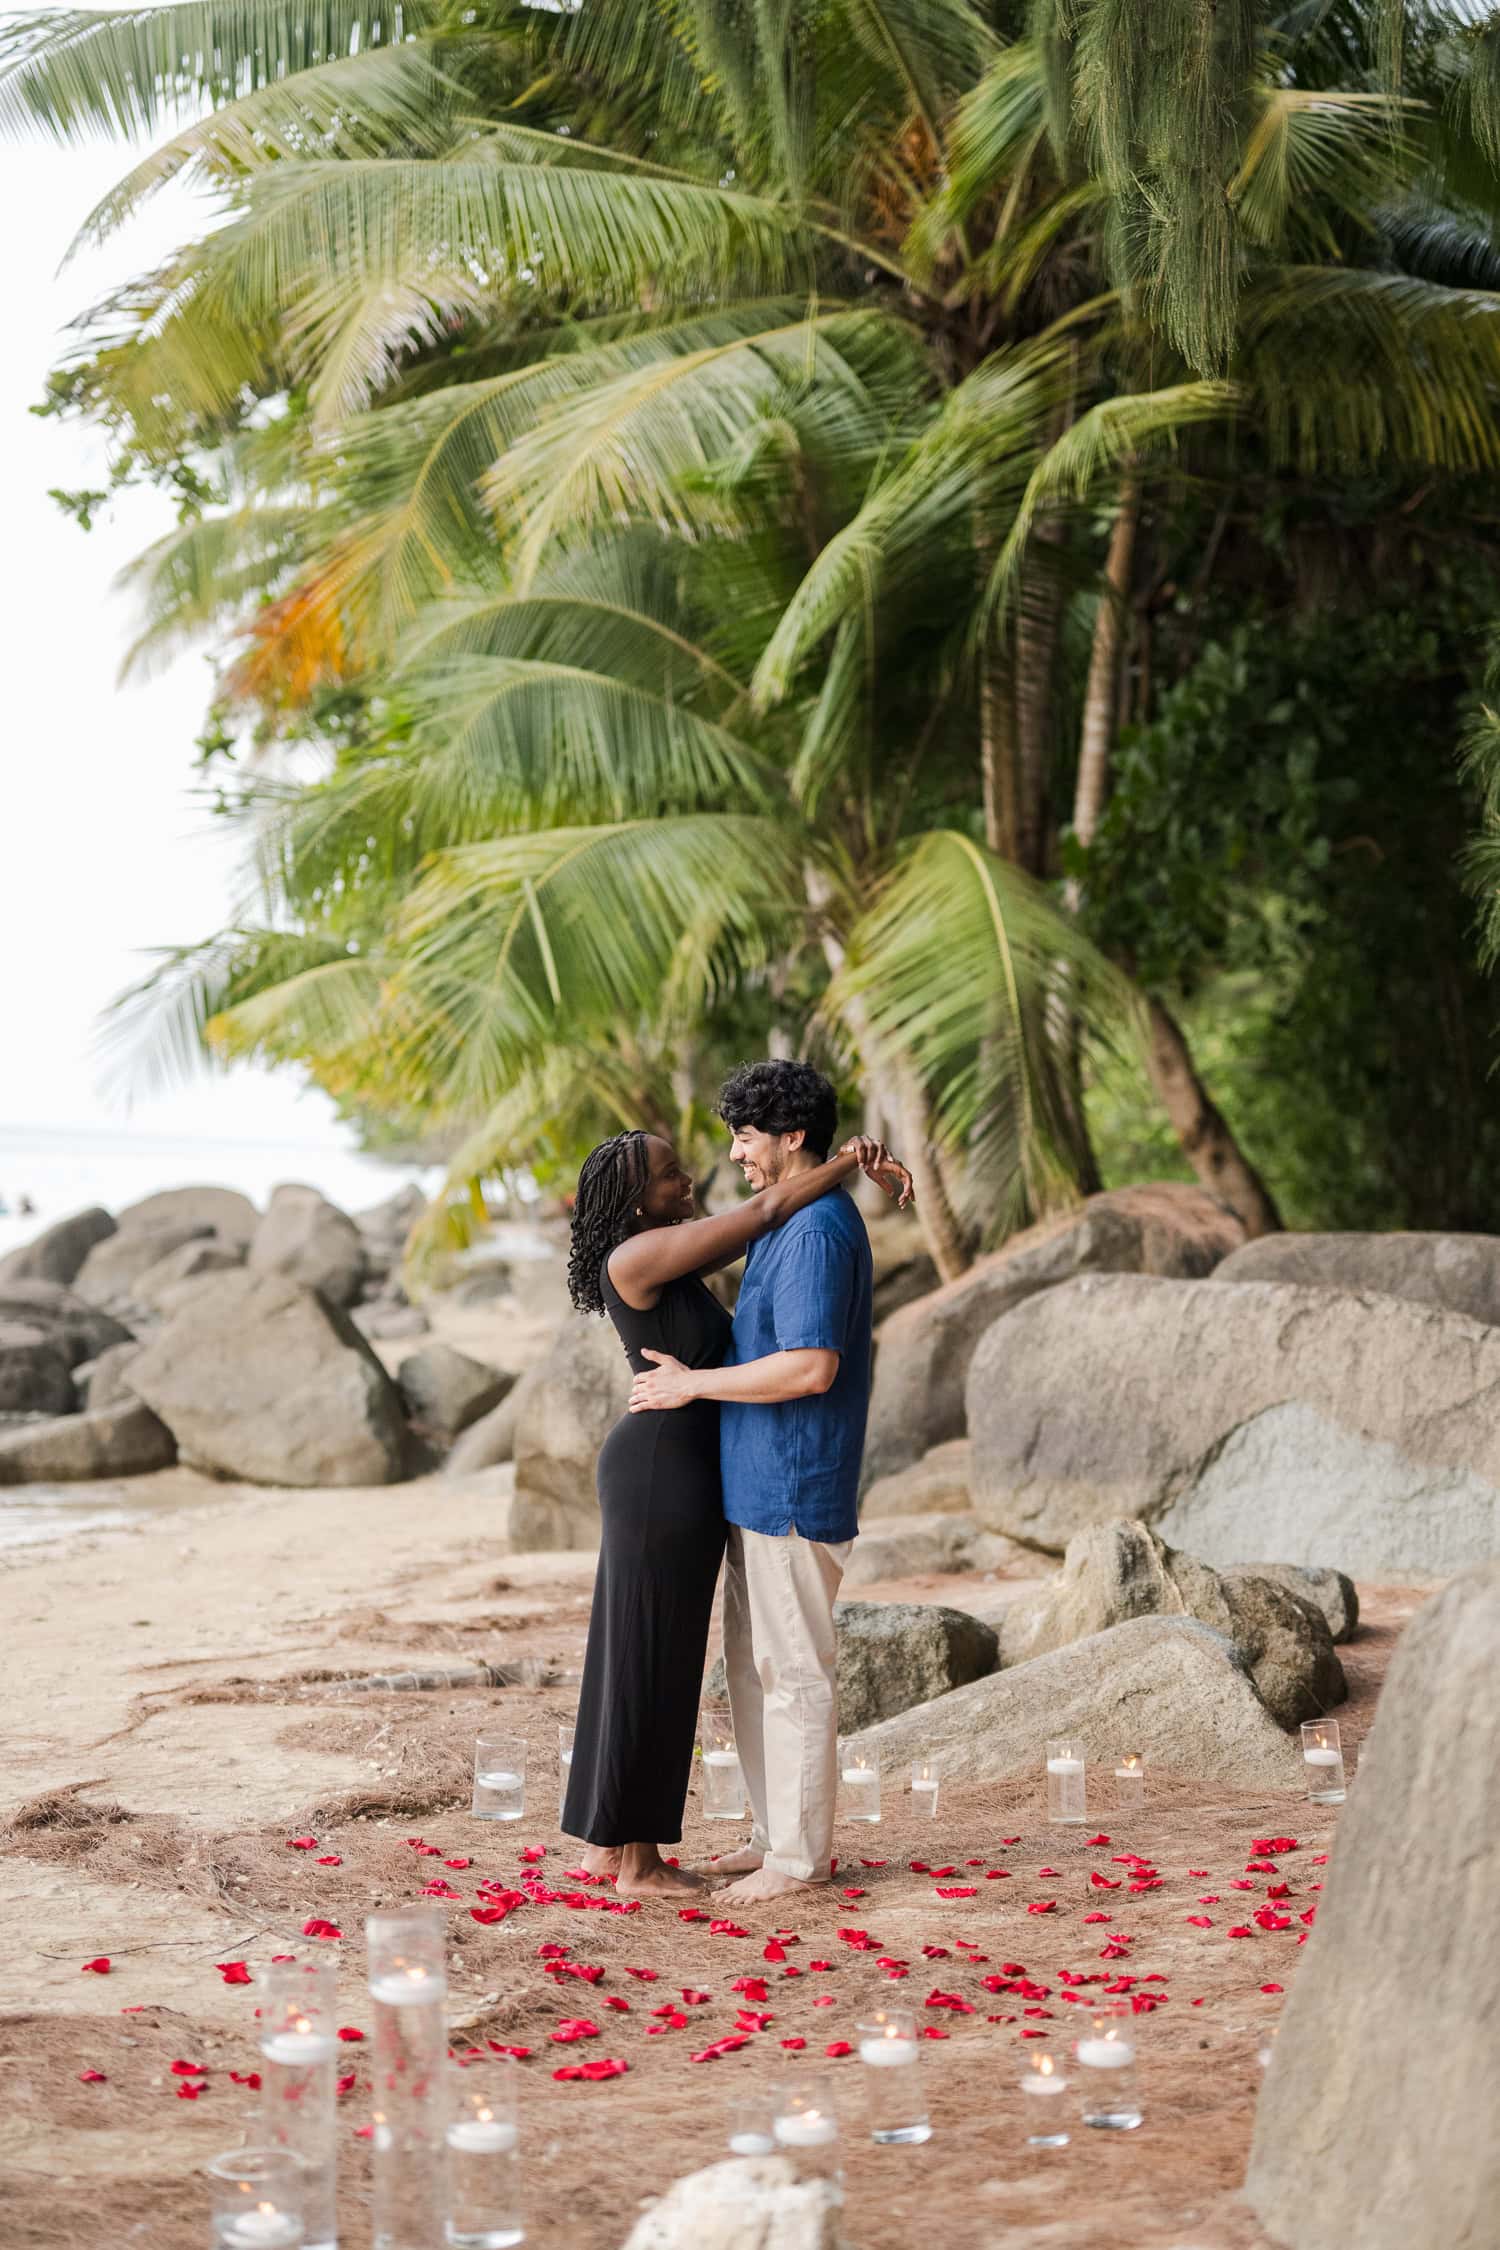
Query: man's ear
(794, 1140)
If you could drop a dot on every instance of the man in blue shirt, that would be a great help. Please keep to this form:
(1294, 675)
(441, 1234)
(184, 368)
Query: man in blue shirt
(795, 1391)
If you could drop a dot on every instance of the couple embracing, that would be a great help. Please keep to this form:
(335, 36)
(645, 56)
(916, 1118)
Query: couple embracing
(741, 1447)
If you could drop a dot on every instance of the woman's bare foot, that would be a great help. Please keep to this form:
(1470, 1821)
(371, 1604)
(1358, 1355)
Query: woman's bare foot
(745, 1861)
(645, 1874)
(764, 1883)
(602, 1859)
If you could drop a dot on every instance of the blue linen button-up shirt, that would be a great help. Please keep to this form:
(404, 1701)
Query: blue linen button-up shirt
(794, 1466)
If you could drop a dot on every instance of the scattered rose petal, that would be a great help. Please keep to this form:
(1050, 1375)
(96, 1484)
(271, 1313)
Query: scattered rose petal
(92, 2078)
(100, 1966)
(727, 1929)
(794, 2042)
(854, 1891)
(330, 1859)
(348, 2032)
(1100, 1839)
(692, 1997)
(820, 1964)
(955, 1890)
(647, 1976)
(1096, 1917)
(824, 2000)
(1200, 1921)
(316, 1927)
(1042, 1906)
(302, 1843)
(250, 2078)
(534, 1852)
(1104, 1883)
(182, 2069)
(187, 2093)
(1244, 1930)
(838, 2047)
(1273, 1988)
(575, 2027)
(692, 1914)
(234, 1972)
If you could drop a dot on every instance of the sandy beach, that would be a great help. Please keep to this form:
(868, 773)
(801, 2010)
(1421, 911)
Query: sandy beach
(179, 1712)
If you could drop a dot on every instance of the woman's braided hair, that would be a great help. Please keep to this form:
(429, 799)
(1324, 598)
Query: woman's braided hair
(612, 1177)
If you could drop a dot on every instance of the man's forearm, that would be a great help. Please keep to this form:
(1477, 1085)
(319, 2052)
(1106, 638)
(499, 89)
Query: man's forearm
(768, 1381)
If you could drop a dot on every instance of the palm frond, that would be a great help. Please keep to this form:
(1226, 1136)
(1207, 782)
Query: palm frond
(1314, 152)
(206, 572)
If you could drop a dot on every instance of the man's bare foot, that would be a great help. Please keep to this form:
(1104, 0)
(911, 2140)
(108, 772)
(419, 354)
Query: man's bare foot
(603, 1859)
(764, 1883)
(745, 1861)
(661, 1882)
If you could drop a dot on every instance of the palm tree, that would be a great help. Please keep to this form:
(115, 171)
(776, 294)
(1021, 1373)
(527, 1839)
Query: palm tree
(841, 319)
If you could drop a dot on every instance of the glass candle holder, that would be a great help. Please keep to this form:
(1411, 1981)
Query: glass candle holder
(484, 2165)
(1323, 1759)
(1067, 1792)
(1105, 2054)
(299, 2051)
(257, 2199)
(752, 2125)
(1044, 2081)
(924, 1786)
(409, 1989)
(1265, 2044)
(859, 1780)
(723, 1781)
(1130, 1781)
(565, 1736)
(889, 2049)
(806, 2129)
(499, 1777)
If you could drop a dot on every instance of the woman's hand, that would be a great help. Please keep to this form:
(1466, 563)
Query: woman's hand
(877, 1163)
(667, 1384)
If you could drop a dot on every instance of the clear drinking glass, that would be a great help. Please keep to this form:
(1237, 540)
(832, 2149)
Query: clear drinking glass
(859, 1780)
(565, 1736)
(499, 1777)
(1130, 1781)
(892, 2055)
(1105, 2054)
(924, 1786)
(723, 1781)
(1066, 1782)
(257, 2199)
(1044, 2081)
(484, 2165)
(299, 2051)
(1323, 1757)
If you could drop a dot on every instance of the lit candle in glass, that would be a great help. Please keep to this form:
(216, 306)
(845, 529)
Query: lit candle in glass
(484, 2188)
(257, 2200)
(499, 1777)
(888, 2045)
(1067, 1795)
(409, 1987)
(924, 1786)
(1323, 1756)
(859, 1778)
(1042, 2080)
(1105, 2054)
(1130, 1781)
(806, 2128)
(723, 1782)
(752, 2127)
(299, 2084)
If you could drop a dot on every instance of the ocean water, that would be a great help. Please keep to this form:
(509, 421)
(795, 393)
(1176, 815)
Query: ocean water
(67, 1168)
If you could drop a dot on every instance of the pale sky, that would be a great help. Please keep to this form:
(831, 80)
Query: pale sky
(103, 853)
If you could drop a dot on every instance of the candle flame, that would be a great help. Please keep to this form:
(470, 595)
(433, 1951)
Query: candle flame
(303, 2025)
(485, 2116)
(1045, 2065)
(266, 2210)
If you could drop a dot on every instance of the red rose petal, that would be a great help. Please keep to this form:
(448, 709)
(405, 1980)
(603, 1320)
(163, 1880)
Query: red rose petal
(1042, 1906)
(838, 2047)
(820, 1964)
(647, 1976)
(824, 2000)
(794, 2042)
(250, 2078)
(1244, 1930)
(233, 1972)
(1096, 1917)
(302, 1843)
(853, 1892)
(497, 2047)
(1273, 1988)
(1104, 1883)
(92, 2078)
(186, 2093)
(693, 1998)
(575, 2027)
(330, 1859)
(533, 1853)
(316, 1927)
(692, 1914)
(100, 1965)
(1200, 1921)
(955, 1890)
(1097, 1839)
(182, 2069)
(348, 2032)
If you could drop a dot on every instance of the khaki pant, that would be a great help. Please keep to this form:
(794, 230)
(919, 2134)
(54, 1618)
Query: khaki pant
(779, 1655)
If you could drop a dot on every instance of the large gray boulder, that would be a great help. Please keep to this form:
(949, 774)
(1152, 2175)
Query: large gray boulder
(1315, 1425)
(155, 1289)
(216, 1210)
(390, 1320)
(1328, 1590)
(110, 1272)
(384, 1229)
(1376, 2121)
(1457, 1272)
(1168, 1686)
(1117, 1570)
(924, 1351)
(746, 2203)
(35, 1371)
(572, 1400)
(101, 1382)
(57, 1254)
(892, 1655)
(490, 1441)
(931, 1546)
(124, 1440)
(80, 1330)
(445, 1390)
(263, 1380)
(308, 1239)
(938, 1484)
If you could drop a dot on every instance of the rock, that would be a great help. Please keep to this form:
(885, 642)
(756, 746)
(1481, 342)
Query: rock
(938, 1484)
(931, 1546)
(155, 1288)
(1166, 1685)
(445, 1390)
(35, 1371)
(903, 1269)
(261, 1379)
(213, 1210)
(308, 1239)
(491, 1440)
(57, 1254)
(101, 1382)
(82, 1330)
(1388, 2140)
(923, 1354)
(748, 2203)
(572, 1401)
(1457, 1272)
(118, 1441)
(1313, 1424)
(1118, 1570)
(894, 1654)
(110, 1272)
(387, 1320)
(483, 1288)
(384, 1229)
(1327, 1590)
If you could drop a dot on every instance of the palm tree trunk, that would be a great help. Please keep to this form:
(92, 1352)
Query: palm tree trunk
(1036, 640)
(1206, 1139)
(1100, 703)
(997, 757)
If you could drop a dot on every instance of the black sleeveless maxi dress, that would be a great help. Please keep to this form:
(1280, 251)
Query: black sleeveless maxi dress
(662, 1542)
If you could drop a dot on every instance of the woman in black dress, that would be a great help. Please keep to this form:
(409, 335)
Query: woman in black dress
(639, 1254)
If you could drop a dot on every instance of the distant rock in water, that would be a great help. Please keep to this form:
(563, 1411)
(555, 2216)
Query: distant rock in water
(123, 1440)
(59, 1252)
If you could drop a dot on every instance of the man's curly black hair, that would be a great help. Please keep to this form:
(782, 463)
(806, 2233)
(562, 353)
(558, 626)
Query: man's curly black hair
(780, 1097)
(612, 1177)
